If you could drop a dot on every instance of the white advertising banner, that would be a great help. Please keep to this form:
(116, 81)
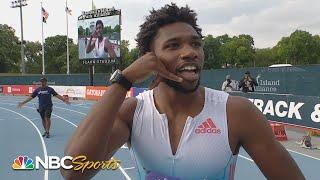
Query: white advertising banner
(71, 91)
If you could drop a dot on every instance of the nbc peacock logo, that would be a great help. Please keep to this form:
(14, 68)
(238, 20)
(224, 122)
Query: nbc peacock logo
(23, 163)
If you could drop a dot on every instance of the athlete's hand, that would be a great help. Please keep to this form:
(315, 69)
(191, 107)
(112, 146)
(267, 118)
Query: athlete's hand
(66, 101)
(94, 34)
(147, 65)
(20, 105)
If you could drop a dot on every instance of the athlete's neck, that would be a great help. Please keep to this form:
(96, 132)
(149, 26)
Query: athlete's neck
(169, 100)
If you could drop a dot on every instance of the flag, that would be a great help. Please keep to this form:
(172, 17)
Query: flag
(45, 15)
(68, 11)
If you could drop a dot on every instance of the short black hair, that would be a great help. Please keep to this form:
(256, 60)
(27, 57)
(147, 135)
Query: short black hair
(168, 14)
(99, 22)
(43, 79)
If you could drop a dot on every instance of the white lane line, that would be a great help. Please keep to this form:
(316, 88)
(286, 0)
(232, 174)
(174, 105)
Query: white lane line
(289, 151)
(46, 175)
(121, 169)
(124, 173)
(54, 102)
(123, 147)
(32, 119)
(70, 110)
(65, 120)
(239, 155)
(128, 168)
(303, 154)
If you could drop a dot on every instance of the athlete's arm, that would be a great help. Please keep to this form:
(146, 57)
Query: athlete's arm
(55, 94)
(102, 132)
(255, 136)
(25, 101)
(108, 48)
(33, 95)
(62, 99)
(91, 43)
(106, 127)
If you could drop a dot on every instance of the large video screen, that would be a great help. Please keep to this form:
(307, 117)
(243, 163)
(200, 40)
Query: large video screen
(99, 38)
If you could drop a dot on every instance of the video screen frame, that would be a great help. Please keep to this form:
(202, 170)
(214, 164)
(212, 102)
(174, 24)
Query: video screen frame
(99, 36)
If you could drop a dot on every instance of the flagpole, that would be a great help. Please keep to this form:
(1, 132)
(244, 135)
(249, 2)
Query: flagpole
(92, 7)
(68, 67)
(43, 66)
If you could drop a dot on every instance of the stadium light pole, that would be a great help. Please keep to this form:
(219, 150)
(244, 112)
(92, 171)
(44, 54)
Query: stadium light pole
(68, 60)
(20, 4)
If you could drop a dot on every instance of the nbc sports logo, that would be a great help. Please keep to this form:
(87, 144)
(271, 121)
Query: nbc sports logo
(50, 162)
(23, 163)
(79, 163)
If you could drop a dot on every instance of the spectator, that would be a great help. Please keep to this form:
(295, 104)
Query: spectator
(247, 83)
(44, 93)
(228, 85)
(306, 141)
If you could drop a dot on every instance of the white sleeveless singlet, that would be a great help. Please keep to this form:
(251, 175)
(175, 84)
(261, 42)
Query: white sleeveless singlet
(99, 49)
(203, 151)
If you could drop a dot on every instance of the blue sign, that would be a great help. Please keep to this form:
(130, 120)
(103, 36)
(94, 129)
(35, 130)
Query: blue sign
(303, 111)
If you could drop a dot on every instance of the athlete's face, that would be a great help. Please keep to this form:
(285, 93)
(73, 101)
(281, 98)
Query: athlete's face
(43, 83)
(99, 30)
(180, 48)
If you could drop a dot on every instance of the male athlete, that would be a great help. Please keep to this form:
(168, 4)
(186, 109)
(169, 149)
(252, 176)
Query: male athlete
(101, 46)
(178, 129)
(45, 104)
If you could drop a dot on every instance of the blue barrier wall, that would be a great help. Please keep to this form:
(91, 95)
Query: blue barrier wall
(290, 109)
(298, 80)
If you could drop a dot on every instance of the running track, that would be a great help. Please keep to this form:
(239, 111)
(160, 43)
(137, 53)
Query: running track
(21, 129)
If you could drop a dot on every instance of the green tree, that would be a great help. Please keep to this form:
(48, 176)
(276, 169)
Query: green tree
(107, 30)
(10, 58)
(265, 57)
(134, 54)
(316, 39)
(116, 28)
(299, 48)
(81, 32)
(55, 54)
(76, 65)
(238, 51)
(223, 39)
(211, 50)
(33, 53)
(87, 33)
(125, 56)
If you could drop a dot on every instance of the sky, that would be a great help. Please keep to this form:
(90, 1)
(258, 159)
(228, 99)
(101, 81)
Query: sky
(267, 21)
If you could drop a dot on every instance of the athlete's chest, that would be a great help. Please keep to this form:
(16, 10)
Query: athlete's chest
(198, 142)
(176, 126)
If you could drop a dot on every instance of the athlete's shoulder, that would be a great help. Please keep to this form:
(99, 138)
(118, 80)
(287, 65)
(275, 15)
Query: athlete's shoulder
(127, 110)
(240, 103)
(241, 109)
(216, 95)
(51, 88)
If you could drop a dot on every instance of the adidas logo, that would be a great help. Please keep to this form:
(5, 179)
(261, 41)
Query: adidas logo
(208, 127)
